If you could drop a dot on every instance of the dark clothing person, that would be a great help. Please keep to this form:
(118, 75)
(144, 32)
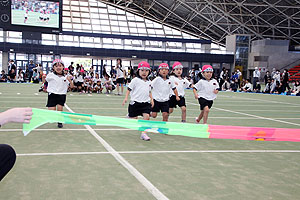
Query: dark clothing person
(7, 159)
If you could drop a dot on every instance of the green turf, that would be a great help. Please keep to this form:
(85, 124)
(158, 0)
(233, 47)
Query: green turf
(178, 175)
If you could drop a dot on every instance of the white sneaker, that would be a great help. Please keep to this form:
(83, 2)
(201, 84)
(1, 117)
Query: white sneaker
(196, 120)
(145, 137)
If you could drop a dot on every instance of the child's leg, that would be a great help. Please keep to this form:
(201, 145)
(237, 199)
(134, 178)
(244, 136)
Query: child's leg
(171, 110)
(118, 88)
(165, 116)
(200, 116)
(60, 108)
(146, 116)
(122, 88)
(183, 114)
(52, 108)
(154, 114)
(205, 114)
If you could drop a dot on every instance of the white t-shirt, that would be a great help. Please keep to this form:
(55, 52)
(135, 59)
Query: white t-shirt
(180, 84)
(79, 78)
(161, 89)
(256, 73)
(139, 90)
(205, 88)
(120, 71)
(57, 84)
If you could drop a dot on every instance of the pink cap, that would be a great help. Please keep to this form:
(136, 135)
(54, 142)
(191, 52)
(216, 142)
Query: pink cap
(163, 65)
(177, 65)
(207, 68)
(57, 61)
(144, 65)
(82, 70)
(67, 69)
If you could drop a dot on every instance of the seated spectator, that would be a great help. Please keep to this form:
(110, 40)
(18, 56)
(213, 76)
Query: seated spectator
(296, 89)
(257, 88)
(35, 76)
(20, 76)
(3, 77)
(226, 85)
(247, 87)
(273, 86)
(12, 75)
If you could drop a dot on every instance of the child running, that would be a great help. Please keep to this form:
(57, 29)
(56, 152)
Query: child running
(181, 84)
(140, 95)
(161, 87)
(57, 88)
(207, 89)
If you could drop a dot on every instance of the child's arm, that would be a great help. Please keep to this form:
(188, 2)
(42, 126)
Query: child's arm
(126, 97)
(151, 100)
(195, 93)
(69, 78)
(176, 94)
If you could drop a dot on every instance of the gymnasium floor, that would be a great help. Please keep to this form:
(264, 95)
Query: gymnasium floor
(94, 162)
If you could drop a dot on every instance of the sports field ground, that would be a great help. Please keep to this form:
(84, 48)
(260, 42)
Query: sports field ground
(95, 162)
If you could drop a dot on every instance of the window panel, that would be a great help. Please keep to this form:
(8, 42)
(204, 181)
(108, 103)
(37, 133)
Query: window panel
(86, 21)
(84, 9)
(74, 3)
(75, 14)
(77, 26)
(76, 20)
(94, 15)
(66, 19)
(114, 23)
(75, 8)
(66, 7)
(103, 10)
(86, 26)
(67, 25)
(94, 10)
(96, 27)
(66, 13)
(86, 15)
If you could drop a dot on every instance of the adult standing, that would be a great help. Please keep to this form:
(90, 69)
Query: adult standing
(30, 68)
(285, 80)
(120, 76)
(256, 76)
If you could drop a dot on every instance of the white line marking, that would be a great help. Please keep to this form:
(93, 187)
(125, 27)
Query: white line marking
(145, 182)
(279, 102)
(255, 116)
(160, 152)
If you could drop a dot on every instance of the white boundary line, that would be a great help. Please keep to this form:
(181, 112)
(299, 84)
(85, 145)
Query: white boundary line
(279, 102)
(145, 182)
(159, 152)
(255, 116)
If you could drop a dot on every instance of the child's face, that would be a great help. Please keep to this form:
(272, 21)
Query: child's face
(144, 73)
(164, 72)
(207, 75)
(178, 71)
(58, 68)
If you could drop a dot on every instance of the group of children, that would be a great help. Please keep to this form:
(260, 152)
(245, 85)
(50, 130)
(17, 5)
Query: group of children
(147, 98)
(165, 93)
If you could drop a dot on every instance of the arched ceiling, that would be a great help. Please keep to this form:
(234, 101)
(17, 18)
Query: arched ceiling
(215, 19)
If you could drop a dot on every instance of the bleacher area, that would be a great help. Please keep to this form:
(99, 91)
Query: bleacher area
(295, 73)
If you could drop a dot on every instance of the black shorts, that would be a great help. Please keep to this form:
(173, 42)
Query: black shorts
(203, 102)
(137, 109)
(173, 102)
(161, 106)
(120, 80)
(56, 99)
(78, 84)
